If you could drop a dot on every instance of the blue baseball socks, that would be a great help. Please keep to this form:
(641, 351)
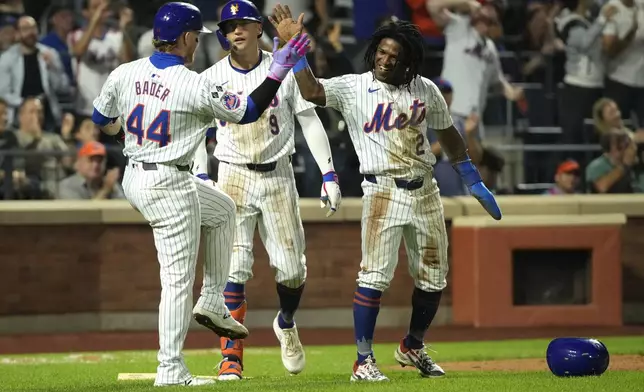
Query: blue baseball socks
(366, 305)
(424, 306)
(233, 350)
(289, 302)
(235, 295)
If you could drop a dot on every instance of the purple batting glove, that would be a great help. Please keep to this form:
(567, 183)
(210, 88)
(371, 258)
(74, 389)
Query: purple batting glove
(284, 59)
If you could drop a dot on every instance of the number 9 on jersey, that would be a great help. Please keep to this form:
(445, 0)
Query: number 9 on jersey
(275, 128)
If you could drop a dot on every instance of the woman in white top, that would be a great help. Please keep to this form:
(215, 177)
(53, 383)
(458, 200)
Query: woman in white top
(623, 45)
(584, 79)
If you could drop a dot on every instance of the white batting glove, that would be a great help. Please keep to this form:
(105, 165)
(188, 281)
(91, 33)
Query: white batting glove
(330, 194)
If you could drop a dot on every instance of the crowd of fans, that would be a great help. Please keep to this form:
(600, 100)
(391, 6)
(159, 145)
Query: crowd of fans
(586, 56)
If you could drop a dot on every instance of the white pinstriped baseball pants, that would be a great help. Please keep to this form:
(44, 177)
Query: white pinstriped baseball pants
(177, 204)
(390, 214)
(268, 200)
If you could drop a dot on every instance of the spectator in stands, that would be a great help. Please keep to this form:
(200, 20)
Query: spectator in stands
(98, 50)
(471, 61)
(623, 44)
(432, 32)
(31, 69)
(85, 132)
(612, 172)
(421, 16)
(566, 179)
(584, 79)
(91, 181)
(62, 24)
(449, 181)
(606, 116)
(546, 63)
(7, 32)
(8, 141)
(44, 169)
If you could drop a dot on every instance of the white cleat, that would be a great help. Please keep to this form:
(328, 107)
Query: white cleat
(223, 325)
(293, 356)
(367, 371)
(192, 382)
(419, 359)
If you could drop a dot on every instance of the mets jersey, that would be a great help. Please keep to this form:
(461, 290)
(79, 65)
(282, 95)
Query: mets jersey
(272, 136)
(387, 124)
(166, 111)
(471, 64)
(91, 70)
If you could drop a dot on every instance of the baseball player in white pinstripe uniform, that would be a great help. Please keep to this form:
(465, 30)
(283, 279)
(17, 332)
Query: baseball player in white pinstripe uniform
(255, 170)
(166, 109)
(388, 110)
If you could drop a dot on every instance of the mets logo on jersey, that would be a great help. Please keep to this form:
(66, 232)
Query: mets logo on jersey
(231, 101)
(234, 9)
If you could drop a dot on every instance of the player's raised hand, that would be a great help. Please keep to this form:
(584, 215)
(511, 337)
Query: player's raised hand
(472, 179)
(283, 22)
(330, 195)
(285, 58)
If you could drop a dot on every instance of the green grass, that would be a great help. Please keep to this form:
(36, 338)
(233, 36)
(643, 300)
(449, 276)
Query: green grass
(328, 368)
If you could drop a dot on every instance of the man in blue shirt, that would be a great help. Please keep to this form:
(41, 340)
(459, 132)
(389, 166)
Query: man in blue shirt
(62, 23)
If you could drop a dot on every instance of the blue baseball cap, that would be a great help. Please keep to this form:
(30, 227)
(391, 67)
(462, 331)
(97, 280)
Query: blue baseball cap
(443, 85)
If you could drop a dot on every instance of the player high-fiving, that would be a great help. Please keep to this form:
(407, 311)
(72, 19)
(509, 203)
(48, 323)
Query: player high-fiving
(167, 109)
(388, 110)
(255, 170)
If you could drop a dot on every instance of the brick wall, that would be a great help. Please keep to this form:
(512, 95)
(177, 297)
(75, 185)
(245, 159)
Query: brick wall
(88, 268)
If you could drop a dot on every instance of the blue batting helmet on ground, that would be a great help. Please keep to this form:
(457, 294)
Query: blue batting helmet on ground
(568, 357)
(174, 19)
(236, 10)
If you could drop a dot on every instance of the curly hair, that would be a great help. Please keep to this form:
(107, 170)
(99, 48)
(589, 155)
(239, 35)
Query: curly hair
(413, 48)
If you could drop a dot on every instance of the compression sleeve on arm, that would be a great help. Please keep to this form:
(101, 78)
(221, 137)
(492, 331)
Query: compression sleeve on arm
(259, 100)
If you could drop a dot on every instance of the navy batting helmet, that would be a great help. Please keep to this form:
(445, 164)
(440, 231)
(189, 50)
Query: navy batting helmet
(174, 19)
(568, 357)
(236, 10)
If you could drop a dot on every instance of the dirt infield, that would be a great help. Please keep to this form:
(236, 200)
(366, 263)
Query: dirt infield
(617, 362)
(111, 341)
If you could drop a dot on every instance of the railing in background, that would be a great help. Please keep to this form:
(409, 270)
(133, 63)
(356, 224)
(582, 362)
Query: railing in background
(33, 166)
(8, 160)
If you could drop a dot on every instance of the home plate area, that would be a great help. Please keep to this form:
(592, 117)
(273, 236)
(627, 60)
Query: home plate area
(151, 376)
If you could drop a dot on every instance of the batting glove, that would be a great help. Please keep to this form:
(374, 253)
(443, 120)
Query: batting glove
(330, 194)
(472, 178)
(285, 58)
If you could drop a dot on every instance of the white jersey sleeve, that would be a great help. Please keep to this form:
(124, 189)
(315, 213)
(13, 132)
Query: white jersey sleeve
(224, 105)
(106, 102)
(439, 116)
(340, 91)
(298, 103)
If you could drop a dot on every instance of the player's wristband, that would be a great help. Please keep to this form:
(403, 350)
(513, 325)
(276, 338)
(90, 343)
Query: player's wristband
(301, 65)
(468, 172)
(203, 176)
(330, 177)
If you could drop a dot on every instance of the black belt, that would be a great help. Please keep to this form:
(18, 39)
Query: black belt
(262, 167)
(409, 185)
(153, 166)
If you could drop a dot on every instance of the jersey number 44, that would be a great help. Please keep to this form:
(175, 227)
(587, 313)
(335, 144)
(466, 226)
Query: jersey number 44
(158, 131)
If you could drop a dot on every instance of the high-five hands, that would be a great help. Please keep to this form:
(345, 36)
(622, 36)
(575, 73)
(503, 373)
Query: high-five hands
(285, 58)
